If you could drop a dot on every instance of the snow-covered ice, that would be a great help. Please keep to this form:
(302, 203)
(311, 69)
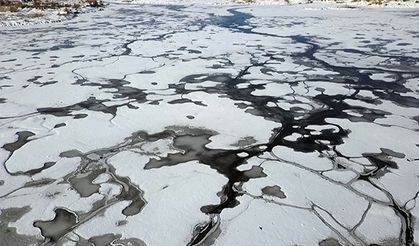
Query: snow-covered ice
(211, 125)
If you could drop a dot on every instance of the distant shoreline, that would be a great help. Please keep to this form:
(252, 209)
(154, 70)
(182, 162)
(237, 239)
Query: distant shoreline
(14, 13)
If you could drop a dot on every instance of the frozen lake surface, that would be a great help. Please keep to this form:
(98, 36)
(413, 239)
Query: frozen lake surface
(211, 125)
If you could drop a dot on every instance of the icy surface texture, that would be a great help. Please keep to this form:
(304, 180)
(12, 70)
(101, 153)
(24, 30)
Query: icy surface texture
(200, 125)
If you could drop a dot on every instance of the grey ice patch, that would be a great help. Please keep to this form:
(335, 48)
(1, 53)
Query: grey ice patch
(13, 214)
(8, 235)
(255, 172)
(23, 138)
(83, 183)
(392, 153)
(56, 228)
(274, 191)
(246, 141)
